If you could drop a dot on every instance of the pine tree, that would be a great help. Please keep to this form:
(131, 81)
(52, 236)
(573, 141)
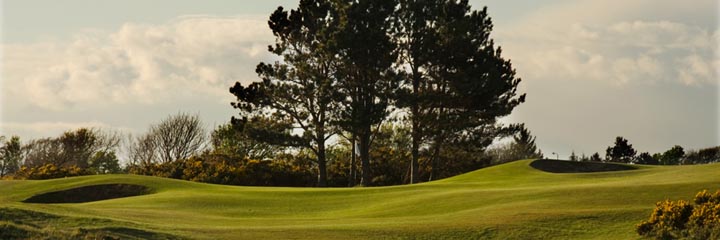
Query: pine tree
(367, 80)
(620, 152)
(459, 82)
(297, 93)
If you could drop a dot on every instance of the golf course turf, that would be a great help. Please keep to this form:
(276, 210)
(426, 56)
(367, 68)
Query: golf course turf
(509, 201)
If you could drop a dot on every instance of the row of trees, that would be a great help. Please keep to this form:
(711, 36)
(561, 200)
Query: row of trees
(623, 152)
(228, 156)
(84, 148)
(349, 66)
(231, 157)
(92, 151)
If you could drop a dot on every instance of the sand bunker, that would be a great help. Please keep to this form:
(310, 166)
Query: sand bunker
(90, 193)
(557, 166)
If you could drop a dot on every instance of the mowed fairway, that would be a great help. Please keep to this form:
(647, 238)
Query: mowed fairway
(509, 201)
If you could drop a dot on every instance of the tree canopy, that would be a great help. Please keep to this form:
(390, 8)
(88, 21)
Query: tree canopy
(620, 152)
(348, 66)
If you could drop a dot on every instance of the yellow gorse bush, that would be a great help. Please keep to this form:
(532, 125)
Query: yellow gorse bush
(683, 220)
(48, 171)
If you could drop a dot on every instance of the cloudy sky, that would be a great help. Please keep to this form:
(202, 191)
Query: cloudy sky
(643, 69)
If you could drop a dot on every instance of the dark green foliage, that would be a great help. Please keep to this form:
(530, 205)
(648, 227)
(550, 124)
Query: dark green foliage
(367, 81)
(77, 147)
(646, 158)
(417, 40)
(458, 159)
(705, 155)
(347, 63)
(620, 152)
(595, 157)
(672, 156)
(525, 144)
(228, 140)
(522, 147)
(460, 82)
(390, 153)
(573, 157)
(297, 93)
(104, 163)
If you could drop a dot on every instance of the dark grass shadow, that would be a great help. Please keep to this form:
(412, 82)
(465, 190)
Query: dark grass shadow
(90, 193)
(558, 166)
(126, 233)
(26, 224)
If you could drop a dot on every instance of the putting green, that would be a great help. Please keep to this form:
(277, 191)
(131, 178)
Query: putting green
(509, 201)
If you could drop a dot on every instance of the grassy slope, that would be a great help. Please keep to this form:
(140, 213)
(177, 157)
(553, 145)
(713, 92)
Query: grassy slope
(507, 201)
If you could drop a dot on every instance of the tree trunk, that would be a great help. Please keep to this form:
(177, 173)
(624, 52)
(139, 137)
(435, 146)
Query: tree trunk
(321, 159)
(322, 165)
(365, 156)
(353, 164)
(415, 130)
(434, 159)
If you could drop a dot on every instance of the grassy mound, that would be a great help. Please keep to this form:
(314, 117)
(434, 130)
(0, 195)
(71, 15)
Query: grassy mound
(558, 166)
(90, 193)
(509, 201)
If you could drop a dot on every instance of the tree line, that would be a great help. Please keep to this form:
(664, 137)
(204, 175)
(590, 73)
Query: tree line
(225, 155)
(623, 152)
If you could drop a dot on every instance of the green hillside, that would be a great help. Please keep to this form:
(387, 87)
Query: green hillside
(510, 201)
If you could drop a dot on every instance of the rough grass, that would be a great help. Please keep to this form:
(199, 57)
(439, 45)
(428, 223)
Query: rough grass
(510, 201)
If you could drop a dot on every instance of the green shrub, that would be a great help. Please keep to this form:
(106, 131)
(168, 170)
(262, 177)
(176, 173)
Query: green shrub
(683, 220)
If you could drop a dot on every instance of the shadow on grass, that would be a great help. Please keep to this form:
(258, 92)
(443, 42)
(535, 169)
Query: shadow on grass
(90, 193)
(557, 166)
(26, 224)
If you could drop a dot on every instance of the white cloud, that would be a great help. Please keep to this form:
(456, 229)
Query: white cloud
(138, 63)
(594, 70)
(633, 52)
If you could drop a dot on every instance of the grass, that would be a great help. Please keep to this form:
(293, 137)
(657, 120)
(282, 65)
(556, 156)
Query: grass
(510, 201)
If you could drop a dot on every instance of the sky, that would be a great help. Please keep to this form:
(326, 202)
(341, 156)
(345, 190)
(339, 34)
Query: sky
(646, 70)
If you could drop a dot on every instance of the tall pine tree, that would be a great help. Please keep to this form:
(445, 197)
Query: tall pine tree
(297, 92)
(459, 82)
(366, 79)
